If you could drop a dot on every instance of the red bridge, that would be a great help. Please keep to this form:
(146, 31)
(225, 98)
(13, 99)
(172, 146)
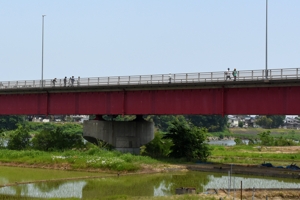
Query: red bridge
(164, 94)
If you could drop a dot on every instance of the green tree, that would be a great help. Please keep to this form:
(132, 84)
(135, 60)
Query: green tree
(19, 139)
(213, 123)
(241, 124)
(10, 122)
(264, 121)
(277, 120)
(161, 122)
(266, 139)
(270, 121)
(49, 140)
(188, 140)
(238, 141)
(158, 147)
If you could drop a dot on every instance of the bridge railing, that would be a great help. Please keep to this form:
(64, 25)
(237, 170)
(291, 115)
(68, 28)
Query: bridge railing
(244, 75)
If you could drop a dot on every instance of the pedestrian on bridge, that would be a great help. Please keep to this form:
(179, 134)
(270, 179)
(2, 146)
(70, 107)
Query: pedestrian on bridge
(53, 82)
(72, 80)
(234, 73)
(65, 81)
(227, 73)
(78, 81)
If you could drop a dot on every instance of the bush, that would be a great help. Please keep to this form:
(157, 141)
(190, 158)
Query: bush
(56, 140)
(19, 139)
(158, 147)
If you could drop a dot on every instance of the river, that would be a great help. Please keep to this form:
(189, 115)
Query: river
(93, 185)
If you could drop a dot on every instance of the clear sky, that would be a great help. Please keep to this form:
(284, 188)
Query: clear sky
(95, 38)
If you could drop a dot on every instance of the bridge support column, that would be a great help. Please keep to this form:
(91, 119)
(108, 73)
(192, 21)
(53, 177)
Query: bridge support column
(125, 136)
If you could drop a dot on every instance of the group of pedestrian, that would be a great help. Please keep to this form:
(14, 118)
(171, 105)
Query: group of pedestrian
(228, 74)
(66, 82)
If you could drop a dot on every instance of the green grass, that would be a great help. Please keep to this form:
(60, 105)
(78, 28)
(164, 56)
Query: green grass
(92, 158)
(245, 154)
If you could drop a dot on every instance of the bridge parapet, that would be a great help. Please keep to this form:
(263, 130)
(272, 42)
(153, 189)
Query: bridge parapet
(157, 79)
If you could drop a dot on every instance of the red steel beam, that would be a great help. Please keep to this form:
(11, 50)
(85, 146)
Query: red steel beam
(220, 101)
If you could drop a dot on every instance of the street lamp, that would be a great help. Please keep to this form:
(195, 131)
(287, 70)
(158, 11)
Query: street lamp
(266, 72)
(43, 50)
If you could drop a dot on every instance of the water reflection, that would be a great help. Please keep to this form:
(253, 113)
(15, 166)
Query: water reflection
(224, 182)
(142, 185)
(46, 190)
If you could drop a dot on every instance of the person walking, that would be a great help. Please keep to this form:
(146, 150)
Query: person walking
(234, 73)
(72, 80)
(78, 81)
(53, 82)
(65, 81)
(227, 73)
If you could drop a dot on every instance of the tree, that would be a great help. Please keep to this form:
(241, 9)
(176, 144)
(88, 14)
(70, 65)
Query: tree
(263, 121)
(161, 122)
(270, 121)
(158, 147)
(241, 124)
(266, 139)
(213, 123)
(19, 139)
(188, 140)
(9, 122)
(277, 120)
(49, 140)
(238, 141)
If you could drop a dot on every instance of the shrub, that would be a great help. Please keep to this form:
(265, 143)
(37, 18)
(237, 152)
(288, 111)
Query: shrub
(19, 139)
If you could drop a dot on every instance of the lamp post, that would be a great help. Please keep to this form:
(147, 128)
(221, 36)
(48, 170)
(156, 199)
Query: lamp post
(266, 72)
(43, 50)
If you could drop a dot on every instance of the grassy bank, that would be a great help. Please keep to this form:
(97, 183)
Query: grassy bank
(252, 133)
(93, 158)
(244, 154)
(97, 159)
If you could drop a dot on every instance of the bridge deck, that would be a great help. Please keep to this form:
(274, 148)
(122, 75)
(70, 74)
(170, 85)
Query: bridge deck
(246, 78)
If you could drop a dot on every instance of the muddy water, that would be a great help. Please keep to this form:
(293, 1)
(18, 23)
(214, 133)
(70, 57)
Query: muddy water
(107, 185)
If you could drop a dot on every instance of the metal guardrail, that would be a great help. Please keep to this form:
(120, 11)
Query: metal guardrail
(245, 75)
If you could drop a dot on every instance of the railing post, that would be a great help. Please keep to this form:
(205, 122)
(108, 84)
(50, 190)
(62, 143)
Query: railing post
(140, 80)
(297, 72)
(118, 80)
(198, 77)
(108, 81)
(252, 75)
(129, 80)
(281, 73)
(151, 79)
(33, 84)
(88, 83)
(186, 78)
(211, 76)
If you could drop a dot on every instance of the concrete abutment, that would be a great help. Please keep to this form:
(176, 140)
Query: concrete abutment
(125, 136)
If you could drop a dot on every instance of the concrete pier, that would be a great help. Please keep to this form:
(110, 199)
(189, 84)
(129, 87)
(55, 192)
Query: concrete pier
(125, 136)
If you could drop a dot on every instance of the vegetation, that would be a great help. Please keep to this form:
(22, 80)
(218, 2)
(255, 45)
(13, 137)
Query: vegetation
(188, 140)
(270, 121)
(253, 155)
(19, 139)
(158, 147)
(92, 158)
